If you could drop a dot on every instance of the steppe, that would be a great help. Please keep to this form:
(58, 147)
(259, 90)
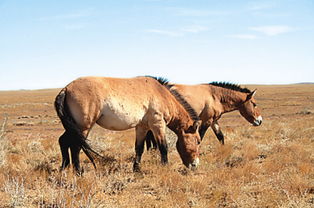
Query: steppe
(267, 166)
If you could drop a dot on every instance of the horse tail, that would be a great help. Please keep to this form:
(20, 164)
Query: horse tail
(70, 125)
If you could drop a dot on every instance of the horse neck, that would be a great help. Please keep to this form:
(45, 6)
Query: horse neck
(230, 99)
(179, 118)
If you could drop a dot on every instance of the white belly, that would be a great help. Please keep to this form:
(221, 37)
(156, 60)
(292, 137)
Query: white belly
(119, 116)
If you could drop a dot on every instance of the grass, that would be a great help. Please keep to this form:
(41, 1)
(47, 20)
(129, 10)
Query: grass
(267, 166)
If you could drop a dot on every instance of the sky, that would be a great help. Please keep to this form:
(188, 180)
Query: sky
(47, 44)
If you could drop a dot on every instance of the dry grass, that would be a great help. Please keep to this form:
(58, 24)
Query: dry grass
(267, 166)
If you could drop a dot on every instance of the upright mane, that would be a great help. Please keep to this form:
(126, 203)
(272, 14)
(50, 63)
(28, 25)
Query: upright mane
(162, 80)
(230, 86)
(165, 82)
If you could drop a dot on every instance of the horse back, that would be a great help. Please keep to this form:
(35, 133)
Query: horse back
(115, 103)
(201, 98)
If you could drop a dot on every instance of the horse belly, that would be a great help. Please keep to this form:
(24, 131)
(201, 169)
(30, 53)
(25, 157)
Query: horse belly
(120, 117)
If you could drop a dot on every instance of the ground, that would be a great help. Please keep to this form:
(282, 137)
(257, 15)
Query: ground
(267, 166)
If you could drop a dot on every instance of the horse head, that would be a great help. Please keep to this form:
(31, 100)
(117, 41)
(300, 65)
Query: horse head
(249, 110)
(188, 145)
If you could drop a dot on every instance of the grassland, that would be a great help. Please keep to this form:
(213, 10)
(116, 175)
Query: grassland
(267, 166)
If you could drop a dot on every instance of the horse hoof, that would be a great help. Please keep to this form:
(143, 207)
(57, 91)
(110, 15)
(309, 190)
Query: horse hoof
(136, 168)
(79, 172)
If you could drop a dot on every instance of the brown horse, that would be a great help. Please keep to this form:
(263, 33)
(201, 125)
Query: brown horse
(212, 100)
(119, 104)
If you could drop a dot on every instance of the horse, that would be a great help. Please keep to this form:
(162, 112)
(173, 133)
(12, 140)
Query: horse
(120, 104)
(211, 101)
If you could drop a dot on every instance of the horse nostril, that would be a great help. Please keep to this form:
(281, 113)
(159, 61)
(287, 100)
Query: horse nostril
(258, 121)
(193, 166)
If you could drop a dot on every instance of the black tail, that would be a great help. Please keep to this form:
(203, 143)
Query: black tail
(70, 125)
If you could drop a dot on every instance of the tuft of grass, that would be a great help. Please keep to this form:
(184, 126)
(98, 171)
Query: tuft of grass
(16, 190)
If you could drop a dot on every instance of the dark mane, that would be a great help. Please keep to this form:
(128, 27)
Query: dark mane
(161, 80)
(185, 104)
(230, 86)
(165, 82)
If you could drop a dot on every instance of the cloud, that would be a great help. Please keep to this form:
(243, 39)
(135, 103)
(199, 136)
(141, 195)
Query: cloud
(267, 9)
(272, 30)
(257, 6)
(69, 16)
(194, 29)
(77, 26)
(243, 36)
(197, 12)
(165, 32)
(180, 32)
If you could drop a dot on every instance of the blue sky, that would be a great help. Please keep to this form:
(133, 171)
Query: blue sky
(46, 44)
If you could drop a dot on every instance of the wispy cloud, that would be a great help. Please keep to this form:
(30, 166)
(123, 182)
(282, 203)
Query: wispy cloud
(243, 36)
(260, 5)
(272, 30)
(180, 32)
(76, 26)
(165, 32)
(197, 12)
(154, 0)
(194, 29)
(267, 9)
(69, 16)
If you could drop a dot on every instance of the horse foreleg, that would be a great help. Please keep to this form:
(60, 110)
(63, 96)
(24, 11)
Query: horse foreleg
(64, 142)
(163, 148)
(159, 134)
(216, 128)
(158, 126)
(150, 141)
(139, 148)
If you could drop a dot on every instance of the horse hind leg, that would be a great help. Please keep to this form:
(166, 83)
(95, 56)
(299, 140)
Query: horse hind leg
(218, 133)
(68, 141)
(64, 142)
(75, 156)
(75, 148)
(202, 130)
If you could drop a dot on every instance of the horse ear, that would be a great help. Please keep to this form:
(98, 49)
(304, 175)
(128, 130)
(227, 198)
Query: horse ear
(196, 125)
(252, 94)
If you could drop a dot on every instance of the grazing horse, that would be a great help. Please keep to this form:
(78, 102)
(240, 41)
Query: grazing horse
(211, 101)
(119, 104)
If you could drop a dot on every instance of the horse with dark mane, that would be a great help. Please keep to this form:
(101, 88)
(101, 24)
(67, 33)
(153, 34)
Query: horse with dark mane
(211, 101)
(119, 104)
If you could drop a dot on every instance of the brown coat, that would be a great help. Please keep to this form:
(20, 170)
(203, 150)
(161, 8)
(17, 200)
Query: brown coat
(120, 104)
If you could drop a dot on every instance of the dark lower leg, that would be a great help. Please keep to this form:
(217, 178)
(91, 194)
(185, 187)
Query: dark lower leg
(220, 137)
(64, 146)
(139, 148)
(75, 151)
(218, 132)
(163, 148)
(202, 131)
(150, 141)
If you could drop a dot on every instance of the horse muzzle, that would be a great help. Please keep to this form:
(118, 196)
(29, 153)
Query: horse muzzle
(194, 164)
(258, 121)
